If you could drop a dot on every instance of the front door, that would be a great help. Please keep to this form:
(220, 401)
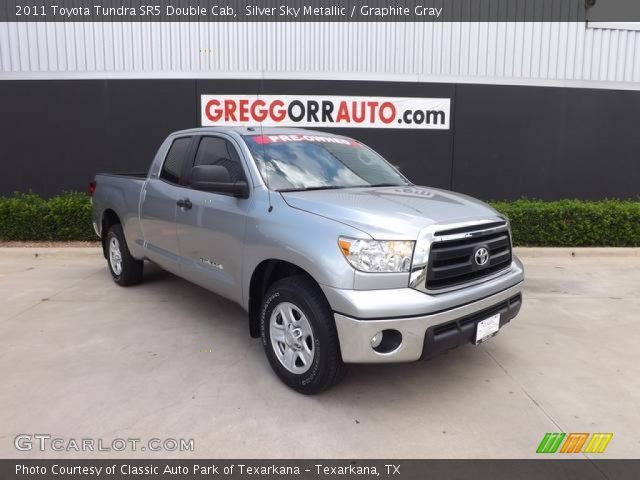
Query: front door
(211, 227)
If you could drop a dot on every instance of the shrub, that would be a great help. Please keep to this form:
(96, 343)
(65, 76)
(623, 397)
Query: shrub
(26, 216)
(564, 223)
(573, 223)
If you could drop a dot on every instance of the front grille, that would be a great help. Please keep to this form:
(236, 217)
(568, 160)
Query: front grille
(452, 263)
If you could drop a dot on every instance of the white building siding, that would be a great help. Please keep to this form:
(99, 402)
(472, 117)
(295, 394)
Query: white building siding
(570, 54)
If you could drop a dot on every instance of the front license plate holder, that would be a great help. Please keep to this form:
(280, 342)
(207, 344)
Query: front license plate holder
(487, 328)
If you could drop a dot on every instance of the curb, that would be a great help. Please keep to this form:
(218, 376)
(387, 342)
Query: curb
(576, 252)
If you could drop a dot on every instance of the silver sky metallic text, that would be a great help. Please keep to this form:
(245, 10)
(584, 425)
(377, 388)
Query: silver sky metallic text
(295, 12)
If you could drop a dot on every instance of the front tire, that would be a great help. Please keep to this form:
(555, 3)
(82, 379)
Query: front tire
(124, 269)
(299, 336)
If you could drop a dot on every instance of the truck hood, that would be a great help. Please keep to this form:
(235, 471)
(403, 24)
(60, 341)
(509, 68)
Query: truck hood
(391, 213)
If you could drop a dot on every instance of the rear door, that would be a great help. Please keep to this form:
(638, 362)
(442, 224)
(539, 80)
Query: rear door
(158, 205)
(211, 231)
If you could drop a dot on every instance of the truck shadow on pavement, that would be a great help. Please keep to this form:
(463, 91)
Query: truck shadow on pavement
(226, 322)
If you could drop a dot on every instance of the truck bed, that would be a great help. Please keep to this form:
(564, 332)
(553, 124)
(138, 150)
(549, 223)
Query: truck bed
(137, 175)
(119, 192)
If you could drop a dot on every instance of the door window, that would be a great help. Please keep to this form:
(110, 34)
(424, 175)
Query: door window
(218, 151)
(176, 157)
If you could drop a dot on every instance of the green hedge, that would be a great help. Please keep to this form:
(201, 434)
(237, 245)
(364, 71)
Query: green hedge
(573, 223)
(30, 217)
(565, 223)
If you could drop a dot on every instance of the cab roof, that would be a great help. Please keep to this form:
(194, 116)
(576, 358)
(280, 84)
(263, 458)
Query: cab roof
(256, 130)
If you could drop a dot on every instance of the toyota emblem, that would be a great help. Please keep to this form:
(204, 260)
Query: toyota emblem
(481, 256)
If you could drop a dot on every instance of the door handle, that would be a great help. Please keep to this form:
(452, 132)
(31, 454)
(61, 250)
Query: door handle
(185, 203)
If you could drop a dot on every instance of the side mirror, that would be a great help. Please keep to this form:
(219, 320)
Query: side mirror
(215, 178)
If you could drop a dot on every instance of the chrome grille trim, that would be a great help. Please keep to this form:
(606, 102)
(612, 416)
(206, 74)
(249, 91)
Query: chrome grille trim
(439, 234)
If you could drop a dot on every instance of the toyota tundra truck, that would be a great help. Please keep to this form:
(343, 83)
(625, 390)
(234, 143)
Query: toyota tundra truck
(336, 256)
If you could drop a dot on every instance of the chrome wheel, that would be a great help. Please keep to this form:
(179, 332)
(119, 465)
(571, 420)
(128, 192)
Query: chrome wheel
(291, 338)
(115, 257)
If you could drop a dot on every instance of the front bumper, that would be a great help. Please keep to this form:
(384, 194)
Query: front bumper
(375, 303)
(424, 335)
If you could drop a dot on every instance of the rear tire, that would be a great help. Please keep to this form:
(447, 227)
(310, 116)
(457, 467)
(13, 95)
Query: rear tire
(124, 269)
(299, 336)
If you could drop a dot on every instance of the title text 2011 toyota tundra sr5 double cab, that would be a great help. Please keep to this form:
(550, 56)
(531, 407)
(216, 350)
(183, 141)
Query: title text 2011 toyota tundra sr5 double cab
(335, 255)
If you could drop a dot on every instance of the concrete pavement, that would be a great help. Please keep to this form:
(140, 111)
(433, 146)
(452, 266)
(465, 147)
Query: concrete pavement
(81, 357)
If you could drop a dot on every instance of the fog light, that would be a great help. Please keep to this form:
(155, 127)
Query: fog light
(386, 341)
(376, 340)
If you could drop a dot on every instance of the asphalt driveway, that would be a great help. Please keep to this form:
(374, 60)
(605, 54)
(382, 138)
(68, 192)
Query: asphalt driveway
(83, 358)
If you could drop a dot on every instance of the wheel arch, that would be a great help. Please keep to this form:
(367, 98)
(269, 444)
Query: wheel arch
(109, 219)
(264, 275)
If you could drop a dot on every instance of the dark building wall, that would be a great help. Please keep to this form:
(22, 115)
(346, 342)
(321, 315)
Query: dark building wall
(505, 142)
(546, 143)
(57, 134)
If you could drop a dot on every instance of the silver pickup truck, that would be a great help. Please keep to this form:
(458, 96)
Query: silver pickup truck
(334, 254)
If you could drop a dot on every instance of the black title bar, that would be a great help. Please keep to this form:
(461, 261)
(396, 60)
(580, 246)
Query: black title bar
(543, 469)
(320, 10)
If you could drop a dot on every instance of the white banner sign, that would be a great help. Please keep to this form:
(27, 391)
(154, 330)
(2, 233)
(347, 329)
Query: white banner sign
(325, 111)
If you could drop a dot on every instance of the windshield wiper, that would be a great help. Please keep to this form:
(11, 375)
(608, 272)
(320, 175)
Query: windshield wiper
(389, 185)
(336, 187)
(306, 189)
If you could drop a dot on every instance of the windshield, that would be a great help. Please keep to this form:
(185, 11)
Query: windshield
(315, 162)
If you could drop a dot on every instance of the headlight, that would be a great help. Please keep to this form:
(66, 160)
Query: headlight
(377, 256)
